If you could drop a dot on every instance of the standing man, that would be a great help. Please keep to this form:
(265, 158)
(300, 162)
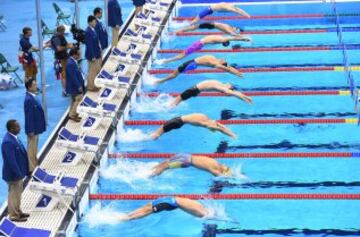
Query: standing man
(75, 83)
(28, 62)
(15, 168)
(61, 46)
(92, 53)
(100, 29)
(34, 122)
(114, 20)
(138, 5)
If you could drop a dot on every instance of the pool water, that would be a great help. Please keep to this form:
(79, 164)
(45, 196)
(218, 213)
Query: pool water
(252, 175)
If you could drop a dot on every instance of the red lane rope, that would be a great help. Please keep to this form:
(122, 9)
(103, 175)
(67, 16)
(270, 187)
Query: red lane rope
(255, 196)
(258, 49)
(247, 70)
(214, 18)
(258, 93)
(239, 155)
(247, 121)
(257, 32)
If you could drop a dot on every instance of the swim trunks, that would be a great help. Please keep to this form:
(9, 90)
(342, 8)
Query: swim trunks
(196, 46)
(207, 25)
(191, 92)
(173, 123)
(187, 66)
(180, 161)
(207, 11)
(164, 204)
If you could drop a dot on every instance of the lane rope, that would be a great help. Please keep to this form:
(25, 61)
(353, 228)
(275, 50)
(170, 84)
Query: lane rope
(269, 155)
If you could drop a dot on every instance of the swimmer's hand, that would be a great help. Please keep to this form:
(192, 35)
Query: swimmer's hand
(239, 74)
(248, 99)
(246, 39)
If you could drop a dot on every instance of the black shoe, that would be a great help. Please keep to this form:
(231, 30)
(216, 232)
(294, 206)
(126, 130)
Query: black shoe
(24, 215)
(19, 219)
(64, 94)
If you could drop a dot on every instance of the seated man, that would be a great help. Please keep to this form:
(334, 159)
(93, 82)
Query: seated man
(210, 85)
(219, 7)
(200, 120)
(186, 160)
(206, 60)
(198, 45)
(168, 204)
(228, 29)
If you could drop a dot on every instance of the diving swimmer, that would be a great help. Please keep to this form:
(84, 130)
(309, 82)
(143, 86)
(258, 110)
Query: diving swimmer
(186, 160)
(195, 119)
(198, 45)
(168, 204)
(219, 7)
(210, 85)
(228, 29)
(206, 60)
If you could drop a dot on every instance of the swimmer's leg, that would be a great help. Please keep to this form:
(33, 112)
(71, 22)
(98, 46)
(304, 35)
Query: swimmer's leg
(172, 75)
(141, 212)
(177, 57)
(191, 206)
(189, 28)
(160, 168)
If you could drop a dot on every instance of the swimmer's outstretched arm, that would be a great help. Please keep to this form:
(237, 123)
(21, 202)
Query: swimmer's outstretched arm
(188, 28)
(176, 101)
(221, 128)
(245, 38)
(230, 69)
(239, 11)
(140, 213)
(172, 75)
(192, 207)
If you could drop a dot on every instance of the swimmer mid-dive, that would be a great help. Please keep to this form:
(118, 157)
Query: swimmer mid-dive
(200, 120)
(219, 7)
(210, 85)
(206, 60)
(186, 160)
(168, 204)
(211, 39)
(228, 29)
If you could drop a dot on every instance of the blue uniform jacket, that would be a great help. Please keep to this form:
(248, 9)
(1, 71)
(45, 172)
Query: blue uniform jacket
(34, 115)
(114, 14)
(74, 78)
(25, 47)
(92, 43)
(15, 158)
(103, 36)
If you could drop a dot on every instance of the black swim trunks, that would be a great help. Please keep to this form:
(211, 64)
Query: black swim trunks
(191, 92)
(186, 66)
(173, 123)
(164, 204)
(207, 25)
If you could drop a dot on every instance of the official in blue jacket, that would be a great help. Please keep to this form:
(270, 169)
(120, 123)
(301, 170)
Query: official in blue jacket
(15, 168)
(138, 5)
(34, 121)
(114, 20)
(75, 83)
(100, 29)
(92, 53)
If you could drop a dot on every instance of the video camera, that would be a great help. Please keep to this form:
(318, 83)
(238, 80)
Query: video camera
(78, 35)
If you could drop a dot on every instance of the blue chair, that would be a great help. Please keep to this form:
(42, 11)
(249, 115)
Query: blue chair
(84, 143)
(41, 175)
(45, 30)
(9, 229)
(7, 68)
(61, 16)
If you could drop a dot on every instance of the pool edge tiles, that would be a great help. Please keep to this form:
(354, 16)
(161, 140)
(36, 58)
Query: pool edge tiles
(63, 220)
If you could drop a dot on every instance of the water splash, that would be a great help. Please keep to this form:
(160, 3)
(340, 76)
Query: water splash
(160, 61)
(239, 175)
(167, 37)
(147, 104)
(179, 24)
(149, 80)
(216, 211)
(103, 216)
(132, 135)
(136, 174)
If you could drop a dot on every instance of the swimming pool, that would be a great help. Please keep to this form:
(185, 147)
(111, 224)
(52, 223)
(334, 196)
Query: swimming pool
(327, 175)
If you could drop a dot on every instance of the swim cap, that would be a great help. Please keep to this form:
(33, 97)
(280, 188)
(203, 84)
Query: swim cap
(225, 44)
